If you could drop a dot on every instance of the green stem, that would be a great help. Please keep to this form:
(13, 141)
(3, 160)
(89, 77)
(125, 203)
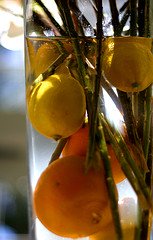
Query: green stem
(54, 22)
(137, 233)
(39, 22)
(147, 123)
(141, 113)
(108, 88)
(123, 22)
(141, 17)
(51, 69)
(110, 181)
(145, 117)
(133, 20)
(147, 18)
(124, 6)
(135, 170)
(83, 76)
(144, 18)
(135, 101)
(119, 28)
(80, 16)
(145, 228)
(115, 14)
(93, 119)
(149, 174)
(127, 164)
(62, 16)
(128, 117)
(147, 214)
(57, 152)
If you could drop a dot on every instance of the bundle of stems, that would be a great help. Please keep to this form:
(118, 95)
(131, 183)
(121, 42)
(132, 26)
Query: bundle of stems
(100, 130)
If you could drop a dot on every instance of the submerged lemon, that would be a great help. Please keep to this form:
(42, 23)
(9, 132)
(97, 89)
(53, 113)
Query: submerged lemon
(30, 58)
(146, 42)
(56, 106)
(47, 53)
(45, 56)
(128, 63)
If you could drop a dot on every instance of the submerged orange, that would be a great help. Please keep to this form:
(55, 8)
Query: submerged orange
(70, 202)
(77, 145)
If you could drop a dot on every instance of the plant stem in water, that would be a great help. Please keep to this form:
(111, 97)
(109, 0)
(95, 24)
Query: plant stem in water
(129, 166)
(57, 152)
(115, 14)
(109, 180)
(128, 116)
(51, 69)
(133, 19)
(147, 122)
(95, 99)
(53, 21)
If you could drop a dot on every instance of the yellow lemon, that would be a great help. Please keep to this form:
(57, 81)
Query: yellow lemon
(30, 58)
(146, 42)
(56, 106)
(128, 64)
(46, 54)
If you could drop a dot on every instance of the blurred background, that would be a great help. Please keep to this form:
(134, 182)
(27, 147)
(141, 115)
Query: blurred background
(13, 159)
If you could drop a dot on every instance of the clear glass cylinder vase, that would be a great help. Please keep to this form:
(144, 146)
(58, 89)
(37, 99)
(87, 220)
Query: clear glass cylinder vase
(89, 75)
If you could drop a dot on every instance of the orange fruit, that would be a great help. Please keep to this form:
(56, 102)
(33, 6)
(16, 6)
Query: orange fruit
(128, 63)
(70, 202)
(57, 106)
(77, 145)
(109, 232)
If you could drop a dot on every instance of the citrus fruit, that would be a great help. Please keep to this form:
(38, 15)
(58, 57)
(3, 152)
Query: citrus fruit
(56, 106)
(77, 145)
(46, 54)
(128, 65)
(146, 42)
(70, 202)
(129, 220)
(30, 57)
(109, 232)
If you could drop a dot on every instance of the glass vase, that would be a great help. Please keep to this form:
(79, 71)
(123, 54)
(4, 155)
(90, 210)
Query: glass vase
(89, 75)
